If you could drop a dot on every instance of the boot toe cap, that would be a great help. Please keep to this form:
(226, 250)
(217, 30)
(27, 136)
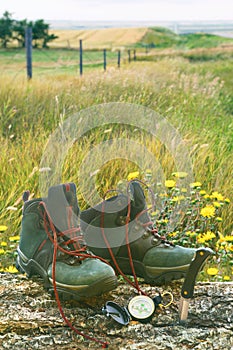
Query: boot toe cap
(169, 256)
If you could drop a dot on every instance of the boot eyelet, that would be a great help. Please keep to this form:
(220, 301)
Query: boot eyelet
(146, 234)
(121, 220)
(155, 241)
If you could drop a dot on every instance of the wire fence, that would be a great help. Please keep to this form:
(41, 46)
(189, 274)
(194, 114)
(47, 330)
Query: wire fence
(15, 61)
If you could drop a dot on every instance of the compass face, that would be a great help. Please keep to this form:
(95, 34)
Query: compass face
(141, 307)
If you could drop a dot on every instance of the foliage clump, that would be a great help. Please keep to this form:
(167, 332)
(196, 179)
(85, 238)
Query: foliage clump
(11, 29)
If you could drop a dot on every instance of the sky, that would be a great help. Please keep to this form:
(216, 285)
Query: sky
(119, 10)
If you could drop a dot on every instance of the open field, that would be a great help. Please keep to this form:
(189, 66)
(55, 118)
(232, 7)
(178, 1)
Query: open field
(191, 88)
(115, 38)
(104, 37)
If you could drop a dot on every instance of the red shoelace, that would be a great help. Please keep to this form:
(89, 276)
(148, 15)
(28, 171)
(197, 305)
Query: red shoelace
(63, 240)
(80, 252)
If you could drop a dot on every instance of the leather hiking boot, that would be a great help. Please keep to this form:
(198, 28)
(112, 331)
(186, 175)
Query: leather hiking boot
(154, 258)
(51, 246)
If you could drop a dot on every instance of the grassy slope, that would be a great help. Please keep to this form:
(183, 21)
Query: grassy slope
(173, 88)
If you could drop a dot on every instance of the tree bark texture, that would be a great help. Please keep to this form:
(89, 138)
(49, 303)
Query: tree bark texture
(30, 318)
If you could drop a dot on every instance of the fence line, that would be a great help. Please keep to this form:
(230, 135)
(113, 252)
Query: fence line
(84, 56)
(71, 61)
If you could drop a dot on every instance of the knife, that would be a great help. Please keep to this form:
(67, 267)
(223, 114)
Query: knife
(188, 286)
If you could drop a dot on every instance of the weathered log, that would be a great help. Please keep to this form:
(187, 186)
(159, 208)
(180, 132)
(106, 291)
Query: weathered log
(30, 319)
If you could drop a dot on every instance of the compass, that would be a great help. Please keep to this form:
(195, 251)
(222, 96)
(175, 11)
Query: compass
(141, 307)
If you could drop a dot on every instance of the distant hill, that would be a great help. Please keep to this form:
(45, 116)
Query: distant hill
(99, 38)
(152, 37)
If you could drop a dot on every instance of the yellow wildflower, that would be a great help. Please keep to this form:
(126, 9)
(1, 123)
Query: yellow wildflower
(228, 248)
(3, 244)
(227, 200)
(195, 184)
(133, 175)
(226, 278)
(180, 174)
(200, 239)
(178, 198)
(218, 218)
(212, 271)
(170, 183)
(208, 211)
(162, 221)
(3, 228)
(217, 196)
(221, 238)
(202, 192)
(14, 238)
(204, 237)
(183, 190)
(11, 269)
(206, 196)
(172, 234)
(2, 251)
(209, 235)
(216, 204)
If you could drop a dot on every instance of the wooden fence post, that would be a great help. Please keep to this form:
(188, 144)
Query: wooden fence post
(129, 56)
(80, 57)
(28, 44)
(134, 55)
(119, 58)
(105, 60)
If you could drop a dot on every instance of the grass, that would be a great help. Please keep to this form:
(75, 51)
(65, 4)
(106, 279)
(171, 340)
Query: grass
(53, 61)
(196, 98)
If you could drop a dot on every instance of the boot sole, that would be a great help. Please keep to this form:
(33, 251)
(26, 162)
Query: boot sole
(66, 292)
(152, 275)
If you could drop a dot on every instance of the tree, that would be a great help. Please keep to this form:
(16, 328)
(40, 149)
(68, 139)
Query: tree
(19, 31)
(40, 32)
(48, 38)
(11, 29)
(6, 28)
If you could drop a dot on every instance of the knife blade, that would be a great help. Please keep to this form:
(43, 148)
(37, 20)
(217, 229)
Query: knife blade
(187, 290)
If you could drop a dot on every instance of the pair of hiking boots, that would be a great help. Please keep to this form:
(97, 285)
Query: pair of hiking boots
(80, 252)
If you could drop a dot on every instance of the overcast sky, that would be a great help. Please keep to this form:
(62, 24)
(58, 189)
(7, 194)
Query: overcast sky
(157, 10)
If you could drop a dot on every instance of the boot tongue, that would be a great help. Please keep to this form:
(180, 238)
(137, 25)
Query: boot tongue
(117, 206)
(138, 200)
(62, 206)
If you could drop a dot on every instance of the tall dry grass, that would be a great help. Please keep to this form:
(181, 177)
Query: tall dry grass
(193, 103)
